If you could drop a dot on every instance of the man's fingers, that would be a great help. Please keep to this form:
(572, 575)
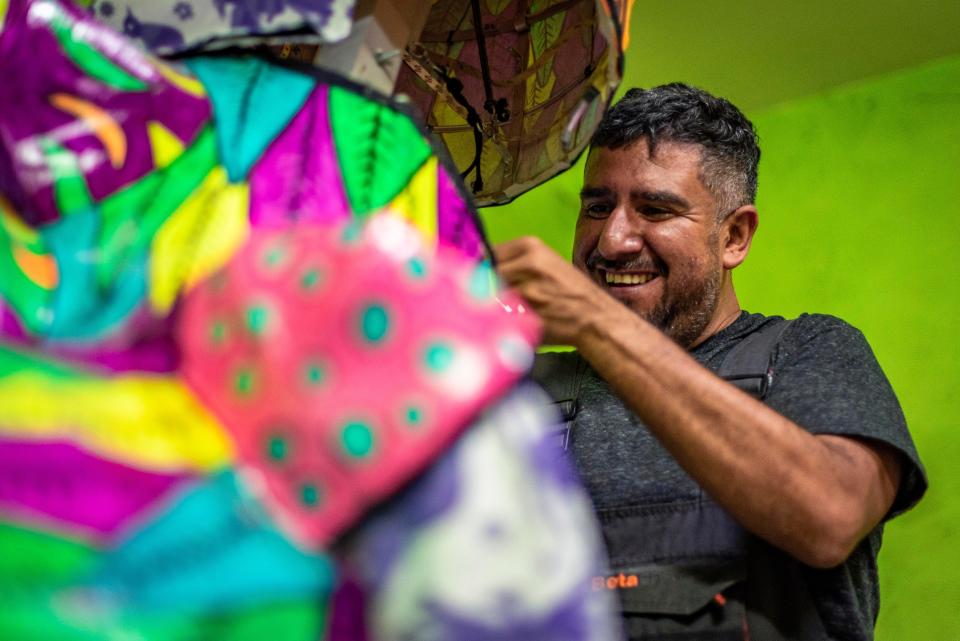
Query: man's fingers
(516, 248)
(514, 264)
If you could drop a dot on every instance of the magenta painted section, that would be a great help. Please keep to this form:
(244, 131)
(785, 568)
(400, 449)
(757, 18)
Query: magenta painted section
(298, 178)
(25, 177)
(10, 326)
(348, 613)
(59, 481)
(456, 225)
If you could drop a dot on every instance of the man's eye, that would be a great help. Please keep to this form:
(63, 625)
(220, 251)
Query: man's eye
(655, 213)
(596, 210)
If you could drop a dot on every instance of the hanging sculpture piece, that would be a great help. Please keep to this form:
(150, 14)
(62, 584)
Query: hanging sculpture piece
(515, 89)
(174, 26)
(241, 306)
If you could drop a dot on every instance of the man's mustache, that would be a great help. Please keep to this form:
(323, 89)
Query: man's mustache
(634, 264)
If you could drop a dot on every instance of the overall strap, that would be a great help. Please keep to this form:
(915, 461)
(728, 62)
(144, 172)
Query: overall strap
(560, 374)
(749, 365)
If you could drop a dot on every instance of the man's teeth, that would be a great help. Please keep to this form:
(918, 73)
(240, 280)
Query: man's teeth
(627, 279)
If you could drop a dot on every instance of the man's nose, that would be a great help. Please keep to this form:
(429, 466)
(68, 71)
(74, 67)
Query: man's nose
(622, 235)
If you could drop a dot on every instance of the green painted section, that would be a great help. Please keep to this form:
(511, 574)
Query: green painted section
(13, 360)
(298, 621)
(41, 559)
(859, 217)
(42, 616)
(89, 59)
(132, 216)
(69, 185)
(367, 136)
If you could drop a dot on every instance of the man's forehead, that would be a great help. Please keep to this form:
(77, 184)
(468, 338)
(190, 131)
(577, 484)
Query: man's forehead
(632, 166)
(665, 150)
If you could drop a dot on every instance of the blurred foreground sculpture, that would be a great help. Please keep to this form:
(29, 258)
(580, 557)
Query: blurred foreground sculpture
(252, 350)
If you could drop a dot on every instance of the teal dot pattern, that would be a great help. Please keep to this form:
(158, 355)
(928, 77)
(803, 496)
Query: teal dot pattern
(417, 268)
(438, 357)
(244, 381)
(375, 363)
(414, 417)
(374, 323)
(311, 496)
(278, 448)
(356, 439)
(315, 374)
(258, 319)
(311, 279)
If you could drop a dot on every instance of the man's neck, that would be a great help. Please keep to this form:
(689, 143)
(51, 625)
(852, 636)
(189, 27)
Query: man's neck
(728, 310)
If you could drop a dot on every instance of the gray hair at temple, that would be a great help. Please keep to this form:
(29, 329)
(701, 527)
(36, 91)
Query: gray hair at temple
(677, 112)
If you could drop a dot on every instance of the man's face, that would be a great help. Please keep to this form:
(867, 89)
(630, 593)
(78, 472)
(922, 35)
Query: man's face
(648, 234)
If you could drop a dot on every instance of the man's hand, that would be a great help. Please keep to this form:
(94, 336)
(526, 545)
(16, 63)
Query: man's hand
(564, 297)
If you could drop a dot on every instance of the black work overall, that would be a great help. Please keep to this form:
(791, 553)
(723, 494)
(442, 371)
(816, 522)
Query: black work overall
(685, 570)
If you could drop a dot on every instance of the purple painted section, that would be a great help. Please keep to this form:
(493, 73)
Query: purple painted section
(61, 481)
(10, 326)
(251, 15)
(145, 344)
(455, 223)
(348, 613)
(32, 60)
(158, 354)
(298, 178)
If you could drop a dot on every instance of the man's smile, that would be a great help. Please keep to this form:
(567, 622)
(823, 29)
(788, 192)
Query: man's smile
(621, 279)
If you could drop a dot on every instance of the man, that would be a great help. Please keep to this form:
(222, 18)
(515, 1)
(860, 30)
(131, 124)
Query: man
(723, 515)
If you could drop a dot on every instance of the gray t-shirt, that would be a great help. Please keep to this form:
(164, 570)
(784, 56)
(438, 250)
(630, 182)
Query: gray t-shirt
(827, 380)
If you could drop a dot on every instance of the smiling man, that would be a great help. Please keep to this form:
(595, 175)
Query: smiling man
(741, 466)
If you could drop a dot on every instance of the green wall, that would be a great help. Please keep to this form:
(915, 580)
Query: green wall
(859, 217)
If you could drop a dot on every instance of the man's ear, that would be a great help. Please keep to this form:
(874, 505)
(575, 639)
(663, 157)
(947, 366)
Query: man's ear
(736, 234)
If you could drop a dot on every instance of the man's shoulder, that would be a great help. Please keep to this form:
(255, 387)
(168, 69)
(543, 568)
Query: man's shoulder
(815, 323)
(806, 323)
(823, 333)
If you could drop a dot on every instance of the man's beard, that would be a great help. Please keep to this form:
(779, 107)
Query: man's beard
(687, 305)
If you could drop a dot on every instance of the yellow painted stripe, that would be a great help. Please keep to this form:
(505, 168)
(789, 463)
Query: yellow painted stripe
(199, 237)
(164, 145)
(181, 81)
(417, 203)
(150, 422)
(17, 229)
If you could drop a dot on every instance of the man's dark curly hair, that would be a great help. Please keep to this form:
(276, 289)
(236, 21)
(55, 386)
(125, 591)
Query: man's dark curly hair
(680, 113)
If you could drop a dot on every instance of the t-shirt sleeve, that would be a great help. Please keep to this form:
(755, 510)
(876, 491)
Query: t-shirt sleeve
(827, 380)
